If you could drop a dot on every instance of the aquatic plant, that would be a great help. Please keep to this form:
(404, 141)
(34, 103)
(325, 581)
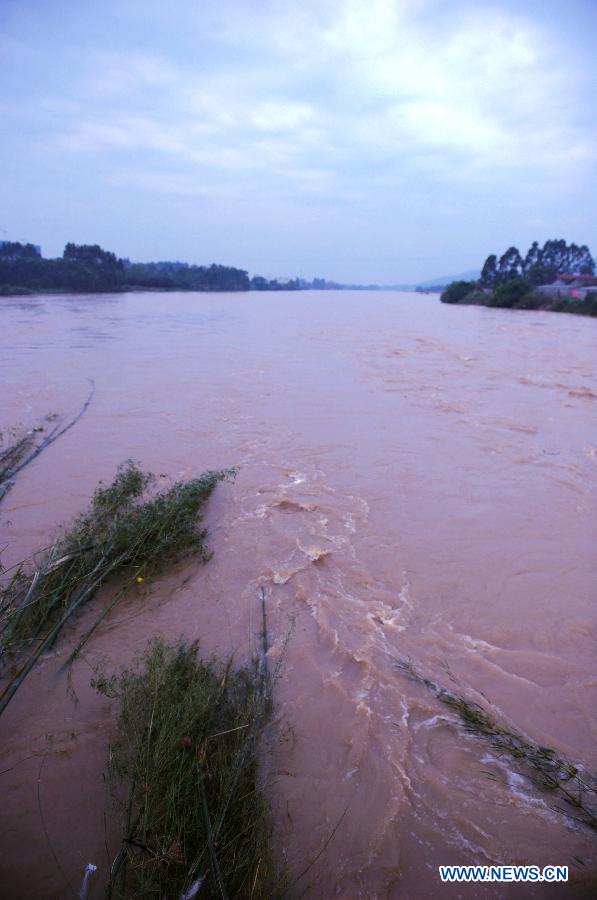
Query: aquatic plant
(10, 457)
(25, 449)
(546, 767)
(118, 536)
(184, 767)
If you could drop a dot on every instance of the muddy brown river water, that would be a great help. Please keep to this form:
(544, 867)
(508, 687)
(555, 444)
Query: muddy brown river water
(415, 481)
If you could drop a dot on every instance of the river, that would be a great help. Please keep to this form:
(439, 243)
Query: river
(416, 481)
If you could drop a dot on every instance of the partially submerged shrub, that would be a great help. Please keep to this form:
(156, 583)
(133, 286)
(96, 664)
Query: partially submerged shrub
(585, 307)
(477, 297)
(11, 456)
(184, 766)
(511, 292)
(14, 458)
(532, 300)
(10, 290)
(545, 766)
(117, 536)
(517, 293)
(457, 291)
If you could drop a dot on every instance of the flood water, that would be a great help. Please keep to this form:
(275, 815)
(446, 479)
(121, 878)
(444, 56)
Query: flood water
(416, 481)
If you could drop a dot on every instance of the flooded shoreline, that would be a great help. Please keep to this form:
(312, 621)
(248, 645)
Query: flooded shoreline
(414, 481)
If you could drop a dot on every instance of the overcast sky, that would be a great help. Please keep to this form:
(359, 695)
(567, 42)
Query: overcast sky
(384, 140)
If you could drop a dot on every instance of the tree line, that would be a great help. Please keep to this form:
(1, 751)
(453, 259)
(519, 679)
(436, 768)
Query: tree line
(541, 265)
(184, 277)
(89, 268)
(512, 281)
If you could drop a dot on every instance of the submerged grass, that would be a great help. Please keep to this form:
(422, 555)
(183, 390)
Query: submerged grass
(545, 766)
(11, 455)
(25, 449)
(118, 536)
(10, 458)
(195, 822)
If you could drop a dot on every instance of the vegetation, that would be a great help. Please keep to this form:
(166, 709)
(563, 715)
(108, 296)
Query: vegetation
(515, 292)
(546, 767)
(118, 536)
(258, 283)
(10, 459)
(586, 307)
(511, 281)
(81, 268)
(181, 276)
(88, 268)
(25, 449)
(9, 290)
(184, 767)
(457, 291)
(541, 265)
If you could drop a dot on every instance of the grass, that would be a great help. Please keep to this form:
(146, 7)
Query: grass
(547, 768)
(10, 457)
(184, 766)
(25, 449)
(119, 535)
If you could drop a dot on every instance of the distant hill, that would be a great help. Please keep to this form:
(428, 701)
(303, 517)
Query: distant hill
(471, 275)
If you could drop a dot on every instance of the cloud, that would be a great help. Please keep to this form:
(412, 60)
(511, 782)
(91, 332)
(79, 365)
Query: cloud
(388, 105)
(484, 91)
(115, 75)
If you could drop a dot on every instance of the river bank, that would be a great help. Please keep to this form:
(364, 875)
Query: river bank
(515, 295)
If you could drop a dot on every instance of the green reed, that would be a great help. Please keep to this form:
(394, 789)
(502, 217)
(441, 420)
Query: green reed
(120, 536)
(184, 767)
(544, 766)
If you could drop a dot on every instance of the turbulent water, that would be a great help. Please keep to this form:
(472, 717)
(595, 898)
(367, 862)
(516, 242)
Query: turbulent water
(416, 481)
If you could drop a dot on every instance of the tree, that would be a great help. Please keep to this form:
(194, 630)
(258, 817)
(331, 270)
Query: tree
(511, 292)
(87, 267)
(15, 250)
(533, 268)
(489, 271)
(554, 258)
(581, 261)
(509, 266)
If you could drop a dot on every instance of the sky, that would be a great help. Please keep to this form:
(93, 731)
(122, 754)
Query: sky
(381, 141)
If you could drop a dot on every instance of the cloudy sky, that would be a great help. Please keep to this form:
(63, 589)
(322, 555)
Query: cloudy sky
(361, 140)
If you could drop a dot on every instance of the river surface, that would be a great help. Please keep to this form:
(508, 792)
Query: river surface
(416, 481)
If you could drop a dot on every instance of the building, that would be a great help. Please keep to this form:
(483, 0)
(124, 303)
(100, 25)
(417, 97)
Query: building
(575, 286)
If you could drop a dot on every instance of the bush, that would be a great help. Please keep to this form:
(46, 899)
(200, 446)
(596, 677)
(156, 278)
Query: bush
(457, 291)
(185, 754)
(590, 304)
(511, 293)
(531, 301)
(10, 290)
(586, 307)
(119, 536)
(477, 297)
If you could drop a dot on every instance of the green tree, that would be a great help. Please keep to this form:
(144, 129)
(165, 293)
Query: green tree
(88, 267)
(511, 292)
(581, 261)
(12, 250)
(509, 266)
(489, 271)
